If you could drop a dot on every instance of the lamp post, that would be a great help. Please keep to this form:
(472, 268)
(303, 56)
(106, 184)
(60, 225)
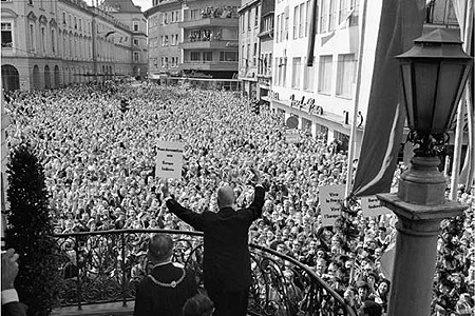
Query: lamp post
(433, 72)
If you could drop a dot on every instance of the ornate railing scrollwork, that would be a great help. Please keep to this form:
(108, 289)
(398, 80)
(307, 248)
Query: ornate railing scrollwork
(100, 267)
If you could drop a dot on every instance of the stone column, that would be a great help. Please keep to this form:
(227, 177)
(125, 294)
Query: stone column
(420, 205)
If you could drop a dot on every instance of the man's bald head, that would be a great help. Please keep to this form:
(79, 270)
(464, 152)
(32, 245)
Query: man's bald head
(225, 196)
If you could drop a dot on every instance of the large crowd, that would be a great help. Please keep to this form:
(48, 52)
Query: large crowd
(99, 164)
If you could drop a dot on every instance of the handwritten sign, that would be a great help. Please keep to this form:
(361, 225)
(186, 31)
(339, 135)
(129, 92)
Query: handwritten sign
(292, 136)
(372, 206)
(330, 198)
(169, 161)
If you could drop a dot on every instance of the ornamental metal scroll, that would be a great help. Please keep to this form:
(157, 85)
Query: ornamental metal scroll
(100, 267)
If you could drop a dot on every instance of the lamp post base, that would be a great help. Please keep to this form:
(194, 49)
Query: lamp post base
(416, 251)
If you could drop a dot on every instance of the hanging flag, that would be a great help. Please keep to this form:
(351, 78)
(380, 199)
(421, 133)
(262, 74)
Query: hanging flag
(400, 23)
(312, 31)
(387, 261)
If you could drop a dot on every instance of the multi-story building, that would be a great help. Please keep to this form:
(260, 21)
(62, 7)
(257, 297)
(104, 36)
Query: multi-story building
(265, 48)
(131, 15)
(322, 95)
(194, 38)
(165, 35)
(47, 44)
(329, 82)
(250, 16)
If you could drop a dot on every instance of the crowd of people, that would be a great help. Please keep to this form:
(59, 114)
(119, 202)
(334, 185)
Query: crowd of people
(99, 164)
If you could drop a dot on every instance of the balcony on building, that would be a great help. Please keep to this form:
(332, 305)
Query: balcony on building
(209, 65)
(209, 44)
(191, 24)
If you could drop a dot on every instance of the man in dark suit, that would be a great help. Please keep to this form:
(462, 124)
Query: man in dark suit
(10, 302)
(166, 289)
(227, 263)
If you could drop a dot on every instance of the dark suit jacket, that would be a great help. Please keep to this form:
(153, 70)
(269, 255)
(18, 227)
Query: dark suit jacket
(227, 263)
(153, 299)
(14, 309)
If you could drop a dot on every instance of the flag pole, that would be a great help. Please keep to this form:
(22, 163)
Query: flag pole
(354, 123)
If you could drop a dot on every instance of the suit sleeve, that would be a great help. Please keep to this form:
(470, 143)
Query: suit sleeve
(14, 309)
(194, 219)
(255, 209)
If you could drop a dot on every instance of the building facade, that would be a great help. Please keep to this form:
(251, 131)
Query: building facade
(127, 13)
(249, 43)
(266, 48)
(194, 38)
(321, 94)
(48, 44)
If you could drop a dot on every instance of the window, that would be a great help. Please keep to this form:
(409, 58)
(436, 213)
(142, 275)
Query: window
(194, 14)
(308, 78)
(284, 72)
(32, 38)
(325, 74)
(294, 24)
(249, 20)
(345, 75)
(43, 41)
(80, 24)
(64, 18)
(296, 72)
(136, 26)
(286, 29)
(53, 42)
(195, 56)
(7, 34)
(282, 26)
(228, 56)
(323, 16)
(302, 20)
(136, 42)
(166, 40)
(75, 23)
(256, 17)
(307, 18)
(333, 16)
(207, 56)
(277, 28)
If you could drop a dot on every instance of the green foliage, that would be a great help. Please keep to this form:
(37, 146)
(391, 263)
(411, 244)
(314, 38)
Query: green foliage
(29, 232)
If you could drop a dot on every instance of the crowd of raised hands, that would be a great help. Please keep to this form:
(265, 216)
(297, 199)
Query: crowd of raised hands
(99, 164)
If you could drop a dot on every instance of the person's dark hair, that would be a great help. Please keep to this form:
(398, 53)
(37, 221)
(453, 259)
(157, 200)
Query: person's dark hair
(371, 308)
(198, 305)
(385, 281)
(160, 247)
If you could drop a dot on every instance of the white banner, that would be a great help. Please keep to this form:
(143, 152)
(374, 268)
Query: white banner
(169, 161)
(371, 206)
(330, 198)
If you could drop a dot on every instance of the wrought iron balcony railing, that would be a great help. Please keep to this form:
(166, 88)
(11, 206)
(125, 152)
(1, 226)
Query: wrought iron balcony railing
(101, 267)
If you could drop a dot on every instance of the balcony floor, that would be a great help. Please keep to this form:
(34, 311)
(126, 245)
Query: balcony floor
(106, 309)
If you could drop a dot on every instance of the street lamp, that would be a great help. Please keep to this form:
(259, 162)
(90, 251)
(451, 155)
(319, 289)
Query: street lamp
(433, 73)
